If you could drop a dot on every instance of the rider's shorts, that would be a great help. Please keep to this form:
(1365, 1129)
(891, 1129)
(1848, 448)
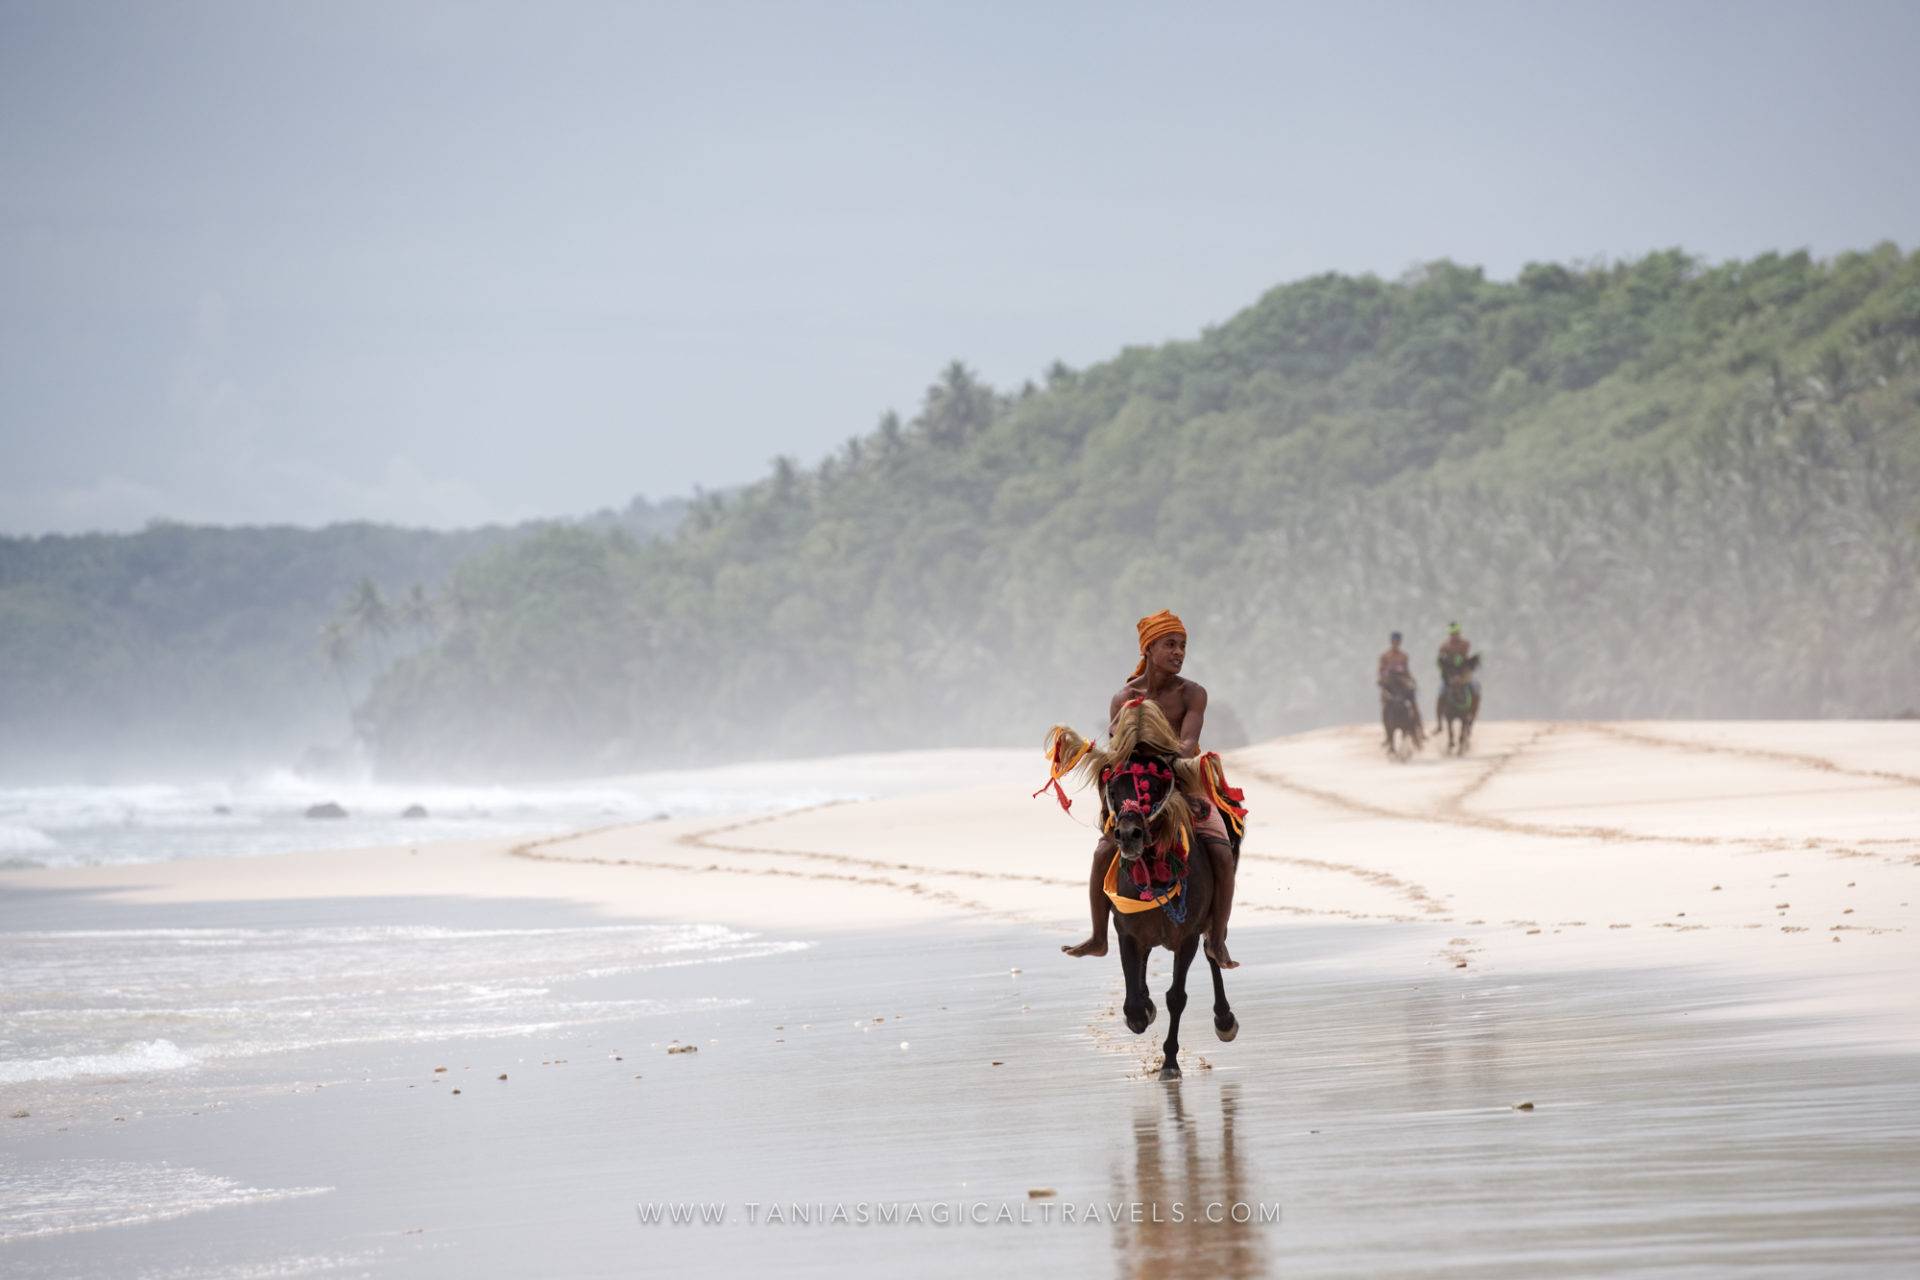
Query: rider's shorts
(1212, 826)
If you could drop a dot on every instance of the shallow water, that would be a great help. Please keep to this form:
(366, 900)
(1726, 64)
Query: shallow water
(83, 825)
(1368, 1106)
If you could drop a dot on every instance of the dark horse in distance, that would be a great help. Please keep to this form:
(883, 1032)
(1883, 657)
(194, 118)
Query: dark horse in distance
(1160, 884)
(1400, 717)
(1459, 704)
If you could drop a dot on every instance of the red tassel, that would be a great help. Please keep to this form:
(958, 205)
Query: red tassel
(1066, 805)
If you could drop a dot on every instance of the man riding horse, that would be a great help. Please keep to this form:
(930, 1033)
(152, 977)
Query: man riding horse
(1454, 652)
(1163, 652)
(1397, 684)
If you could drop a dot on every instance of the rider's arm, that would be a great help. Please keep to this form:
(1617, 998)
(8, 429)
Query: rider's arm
(1191, 722)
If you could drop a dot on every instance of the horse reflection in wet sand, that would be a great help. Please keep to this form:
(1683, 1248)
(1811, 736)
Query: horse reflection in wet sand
(1174, 1166)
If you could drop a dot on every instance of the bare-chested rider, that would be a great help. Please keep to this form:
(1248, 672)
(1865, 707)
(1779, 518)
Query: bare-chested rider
(1163, 652)
(1396, 681)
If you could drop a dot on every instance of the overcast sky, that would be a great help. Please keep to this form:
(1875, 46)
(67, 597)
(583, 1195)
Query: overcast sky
(447, 264)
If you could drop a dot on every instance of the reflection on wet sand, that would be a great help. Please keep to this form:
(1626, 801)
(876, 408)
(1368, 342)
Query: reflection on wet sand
(1185, 1191)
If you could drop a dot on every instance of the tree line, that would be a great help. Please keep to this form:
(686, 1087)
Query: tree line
(1650, 488)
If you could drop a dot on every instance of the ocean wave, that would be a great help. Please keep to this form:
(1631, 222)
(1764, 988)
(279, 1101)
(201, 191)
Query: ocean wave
(59, 1197)
(144, 1002)
(21, 839)
(147, 1057)
(73, 825)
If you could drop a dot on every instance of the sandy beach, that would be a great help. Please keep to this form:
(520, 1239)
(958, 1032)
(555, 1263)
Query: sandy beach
(1690, 946)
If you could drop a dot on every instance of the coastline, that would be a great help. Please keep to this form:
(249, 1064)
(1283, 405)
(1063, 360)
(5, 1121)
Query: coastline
(1747, 845)
(1424, 948)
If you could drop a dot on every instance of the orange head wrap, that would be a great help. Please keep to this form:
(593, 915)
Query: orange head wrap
(1152, 628)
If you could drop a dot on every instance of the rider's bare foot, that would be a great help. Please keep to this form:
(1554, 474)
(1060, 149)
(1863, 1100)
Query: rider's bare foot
(1217, 952)
(1091, 947)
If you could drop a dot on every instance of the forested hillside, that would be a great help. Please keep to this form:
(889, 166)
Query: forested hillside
(185, 645)
(1655, 488)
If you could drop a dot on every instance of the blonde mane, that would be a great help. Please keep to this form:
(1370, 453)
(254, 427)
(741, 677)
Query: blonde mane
(1141, 723)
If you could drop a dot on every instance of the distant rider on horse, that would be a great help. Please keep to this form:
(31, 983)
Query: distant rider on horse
(1163, 652)
(1454, 652)
(1396, 681)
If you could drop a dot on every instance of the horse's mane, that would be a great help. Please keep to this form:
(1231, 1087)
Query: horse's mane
(1141, 724)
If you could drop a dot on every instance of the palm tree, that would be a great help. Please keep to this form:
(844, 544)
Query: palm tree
(417, 612)
(336, 643)
(786, 479)
(956, 406)
(370, 617)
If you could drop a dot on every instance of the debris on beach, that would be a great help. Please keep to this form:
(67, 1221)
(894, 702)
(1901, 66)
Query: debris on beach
(326, 809)
(1523, 1106)
(438, 1070)
(456, 1091)
(503, 1075)
(1013, 971)
(1040, 1193)
(22, 1115)
(677, 1047)
(903, 1046)
(995, 1063)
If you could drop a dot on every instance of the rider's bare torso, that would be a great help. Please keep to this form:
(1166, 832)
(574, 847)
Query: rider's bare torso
(1184, 701)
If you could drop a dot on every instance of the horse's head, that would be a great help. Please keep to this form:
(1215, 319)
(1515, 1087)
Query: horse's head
(1136, 791)
(1143, 779)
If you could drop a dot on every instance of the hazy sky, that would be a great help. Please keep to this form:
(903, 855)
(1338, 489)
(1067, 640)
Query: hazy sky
(442, 264)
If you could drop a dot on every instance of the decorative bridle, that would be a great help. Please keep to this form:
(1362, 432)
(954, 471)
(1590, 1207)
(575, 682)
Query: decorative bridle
(1139, 776)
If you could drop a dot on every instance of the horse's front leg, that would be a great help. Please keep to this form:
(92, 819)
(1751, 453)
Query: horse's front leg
(1176, 1002)
(1133, 965)
(1225, 1025)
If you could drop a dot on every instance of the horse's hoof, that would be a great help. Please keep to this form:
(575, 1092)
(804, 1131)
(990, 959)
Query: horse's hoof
(1228, 1032)
(1138, 1023)
(1171, 1071)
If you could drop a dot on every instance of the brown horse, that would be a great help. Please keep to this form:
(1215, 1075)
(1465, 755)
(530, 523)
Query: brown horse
(1400, 717)
(1161, 883)
(1459, 704)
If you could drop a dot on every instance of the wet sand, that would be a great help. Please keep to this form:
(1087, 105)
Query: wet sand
(1369, 1105)
(1716, 1081)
